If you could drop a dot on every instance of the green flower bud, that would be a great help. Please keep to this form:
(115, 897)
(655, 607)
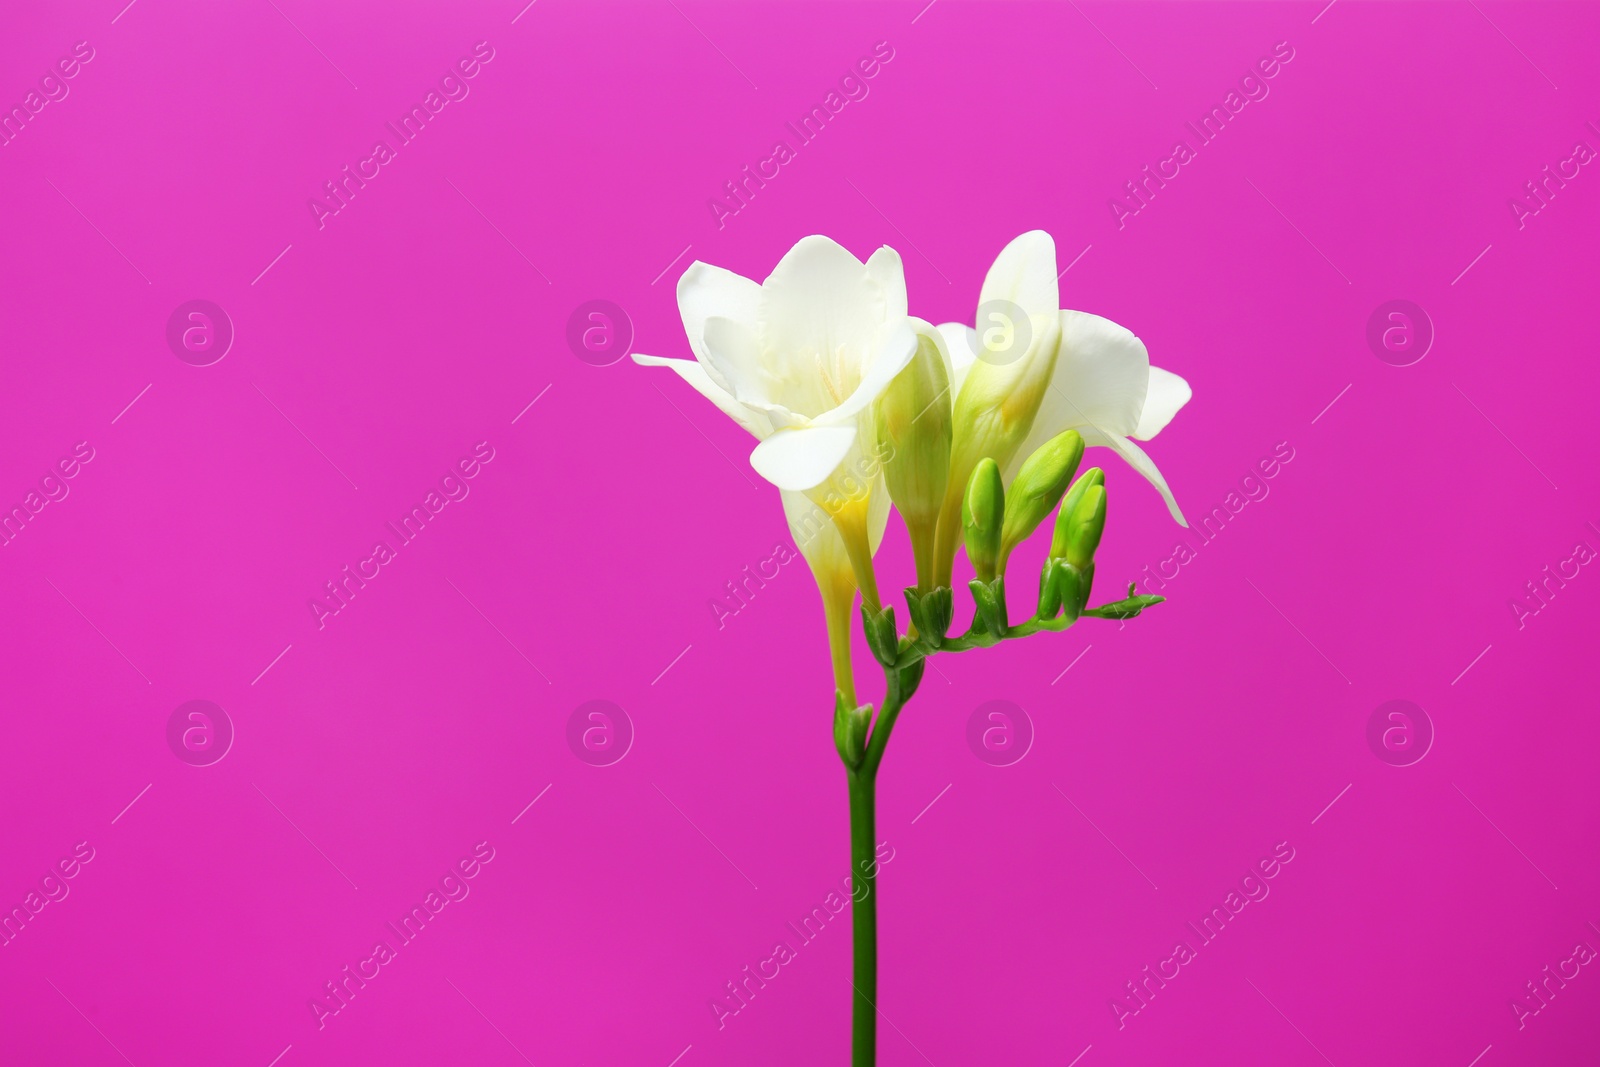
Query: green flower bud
(1087, 523)
(1037, 489)
(990, 599)
(982, 518)
(850, 726)
(882, 637)
(914, 435)
(1058, 542)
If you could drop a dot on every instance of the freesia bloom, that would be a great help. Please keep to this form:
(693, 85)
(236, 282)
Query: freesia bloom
(1031, 371)
(798, 360)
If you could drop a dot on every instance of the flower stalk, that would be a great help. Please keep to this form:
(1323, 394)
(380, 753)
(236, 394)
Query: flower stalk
(972, 432)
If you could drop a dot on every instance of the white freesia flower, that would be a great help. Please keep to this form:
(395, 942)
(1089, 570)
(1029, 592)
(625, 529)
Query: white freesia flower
(1081, 373)
(798, 361)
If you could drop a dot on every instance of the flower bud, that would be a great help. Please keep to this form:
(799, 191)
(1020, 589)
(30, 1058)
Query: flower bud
(1058, 541)
(983, 517)
(1084, 527)
(850, 727)
(882, 637)
(914, 433)
(1037, 488)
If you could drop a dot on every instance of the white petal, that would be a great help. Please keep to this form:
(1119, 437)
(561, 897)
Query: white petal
(823, 316)
(1141, 462)
(885, 268)
(1025, 274)
(704, 291)
(732, 358)
(818, 540)
(1167, 393)
(962, 344)
(877, 513)
(897, 351)
(751, 419)
(803, 458)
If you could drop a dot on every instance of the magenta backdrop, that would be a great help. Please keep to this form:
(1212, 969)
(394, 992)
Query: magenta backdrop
(425, 726)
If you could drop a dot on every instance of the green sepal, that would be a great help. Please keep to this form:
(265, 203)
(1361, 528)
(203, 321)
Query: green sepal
(990, 598)
(1049, 590)
(911, 673)
(850, 727)
(931, 613)
(1071, 584)
(882, 637)
(1127, 608)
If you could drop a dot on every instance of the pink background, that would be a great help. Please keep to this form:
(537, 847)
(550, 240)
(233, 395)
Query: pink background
(424, 317)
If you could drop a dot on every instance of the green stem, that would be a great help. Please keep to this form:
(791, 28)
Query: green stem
(864, 917)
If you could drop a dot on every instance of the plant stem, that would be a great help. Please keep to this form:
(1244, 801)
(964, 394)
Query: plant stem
(864, 917)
